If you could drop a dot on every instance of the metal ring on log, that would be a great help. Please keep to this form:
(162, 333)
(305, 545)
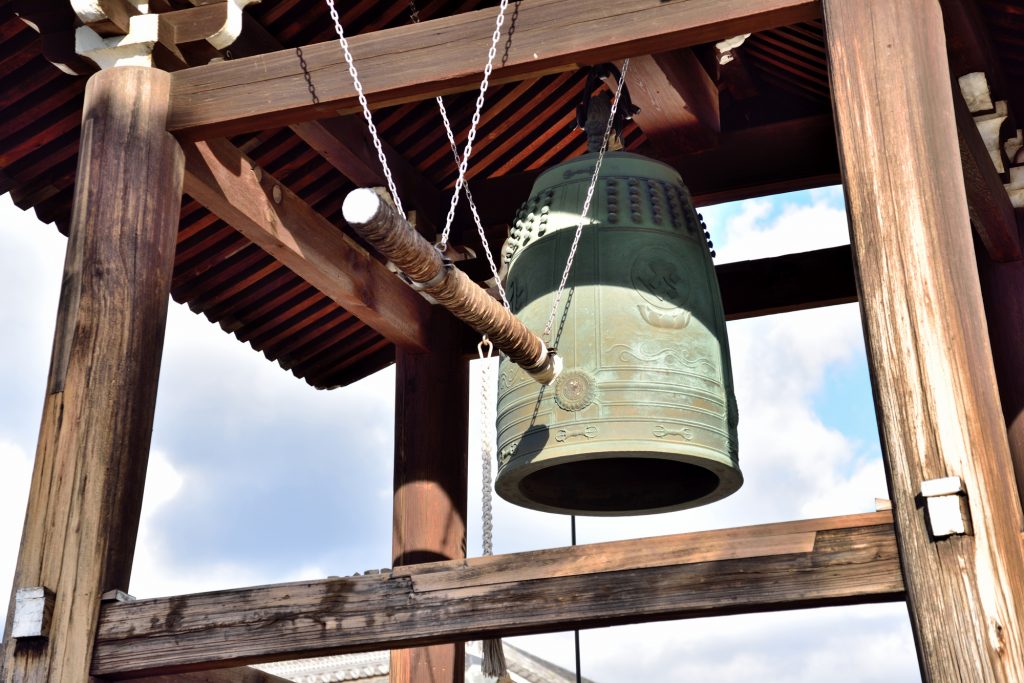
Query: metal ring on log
(381, 225)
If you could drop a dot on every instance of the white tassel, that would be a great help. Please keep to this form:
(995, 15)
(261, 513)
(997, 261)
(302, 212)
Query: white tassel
(494, 661)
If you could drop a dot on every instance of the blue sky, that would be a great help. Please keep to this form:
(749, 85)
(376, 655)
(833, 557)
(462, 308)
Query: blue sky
(257, 478)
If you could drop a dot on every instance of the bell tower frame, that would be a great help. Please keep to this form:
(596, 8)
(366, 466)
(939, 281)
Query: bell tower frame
(942, 319)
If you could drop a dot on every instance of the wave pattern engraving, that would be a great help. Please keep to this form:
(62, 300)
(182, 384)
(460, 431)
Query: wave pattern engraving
(676, 356)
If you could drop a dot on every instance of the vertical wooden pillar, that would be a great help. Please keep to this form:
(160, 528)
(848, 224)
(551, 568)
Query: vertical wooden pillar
(1002, 286)
(932, 373)
(90, 466)
(431, 422)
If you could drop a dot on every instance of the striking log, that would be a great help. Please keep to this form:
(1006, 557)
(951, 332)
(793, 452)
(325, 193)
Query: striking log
(933, 378)
(381, 225)
(431, 420)
(90, 467)
(806, 563)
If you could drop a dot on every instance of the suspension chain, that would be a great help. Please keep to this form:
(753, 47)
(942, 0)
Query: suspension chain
(472, 207)
(464, 164)
(366, 107)
(586, 204)
(414, 17)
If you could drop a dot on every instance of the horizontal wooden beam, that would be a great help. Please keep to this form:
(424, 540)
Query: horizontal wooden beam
(793, 282)
(242, 674)
(807, 563)
(234, 188)
(447, 55)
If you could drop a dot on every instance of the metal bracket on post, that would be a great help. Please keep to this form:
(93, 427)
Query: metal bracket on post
(945, 503)
(32, 610)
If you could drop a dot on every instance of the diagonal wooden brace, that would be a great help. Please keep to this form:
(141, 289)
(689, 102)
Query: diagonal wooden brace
(383, 227)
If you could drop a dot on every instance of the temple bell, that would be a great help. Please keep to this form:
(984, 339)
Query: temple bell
(642, 418)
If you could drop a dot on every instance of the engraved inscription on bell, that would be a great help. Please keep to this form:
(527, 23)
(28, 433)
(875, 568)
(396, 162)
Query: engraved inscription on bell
(643, 418)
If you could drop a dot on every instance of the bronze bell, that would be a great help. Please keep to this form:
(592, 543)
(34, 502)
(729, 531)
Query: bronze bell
(643, 418)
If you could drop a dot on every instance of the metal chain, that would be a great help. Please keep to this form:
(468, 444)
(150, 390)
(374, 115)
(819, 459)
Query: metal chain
(464, 164)
(472, 206)
(414, 16)
(366, 107)
(586, 203)
(485, 348)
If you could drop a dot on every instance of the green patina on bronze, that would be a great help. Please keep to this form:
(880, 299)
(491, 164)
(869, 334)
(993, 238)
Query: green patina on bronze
(643, 417)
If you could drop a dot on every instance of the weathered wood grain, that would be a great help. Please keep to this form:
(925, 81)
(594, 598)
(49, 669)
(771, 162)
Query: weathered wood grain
(934, 384)
(785, 566)
(90, 468)
(230, 185)
(447, 55)
(430, 480)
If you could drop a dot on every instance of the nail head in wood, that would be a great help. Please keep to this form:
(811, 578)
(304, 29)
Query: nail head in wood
(32, 610)
(277, 194)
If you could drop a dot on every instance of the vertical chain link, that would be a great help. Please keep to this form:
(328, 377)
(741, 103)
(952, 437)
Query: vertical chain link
(586, 204)
(464, 164)
(366, 107)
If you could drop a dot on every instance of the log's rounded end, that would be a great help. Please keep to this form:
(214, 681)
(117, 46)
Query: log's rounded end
(360, 206)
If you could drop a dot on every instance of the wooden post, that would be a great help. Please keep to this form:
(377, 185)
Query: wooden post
(1002, 286)
(431, 423)
(90, 467)
(932, 373)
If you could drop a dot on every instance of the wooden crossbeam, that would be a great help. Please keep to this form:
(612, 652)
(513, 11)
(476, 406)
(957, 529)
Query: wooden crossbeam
(446, 55)
(793, 282)
(249, 199)
(242, 674)
(807, 563)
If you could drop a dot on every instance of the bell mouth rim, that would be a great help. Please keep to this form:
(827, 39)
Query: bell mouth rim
(730, 479)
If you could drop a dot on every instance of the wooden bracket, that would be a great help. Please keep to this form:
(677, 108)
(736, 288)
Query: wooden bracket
(144, 36)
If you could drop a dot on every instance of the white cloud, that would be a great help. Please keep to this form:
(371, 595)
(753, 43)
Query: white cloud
(773, 226)
(16, 467)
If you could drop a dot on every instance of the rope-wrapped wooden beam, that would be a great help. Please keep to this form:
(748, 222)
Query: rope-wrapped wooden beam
(388, 231)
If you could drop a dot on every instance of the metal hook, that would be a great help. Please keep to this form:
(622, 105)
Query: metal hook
(485, 343)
